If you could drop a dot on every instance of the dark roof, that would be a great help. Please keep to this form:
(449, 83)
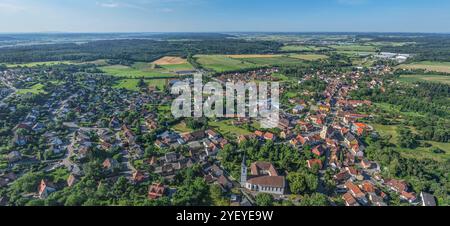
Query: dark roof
(428, 199)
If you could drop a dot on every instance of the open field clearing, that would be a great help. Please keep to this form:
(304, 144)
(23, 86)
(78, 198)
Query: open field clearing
(177, 67)
(131, 72)
(274, 61)
(158, 83)
(393, 44)
(309, 57)
(356, 53)
(169, 60)
(294, 48)
(224, 63)
(36, 89)
(419, 152)
(132, 84)
(428, 66)
(359, 48)
(226, 128)
(425, 78)
(221, 63)
(245, 56)
(182, 128)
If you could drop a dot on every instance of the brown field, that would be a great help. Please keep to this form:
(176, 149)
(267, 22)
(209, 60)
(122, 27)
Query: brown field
(167, 60)
(244, 56)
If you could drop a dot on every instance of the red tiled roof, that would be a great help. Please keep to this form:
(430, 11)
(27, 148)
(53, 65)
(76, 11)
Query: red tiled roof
(354, 189)
(269, 181)
(156, 191)
(313, 162)
(256, 169)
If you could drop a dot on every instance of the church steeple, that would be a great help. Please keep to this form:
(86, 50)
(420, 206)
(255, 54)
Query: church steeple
(243, 172)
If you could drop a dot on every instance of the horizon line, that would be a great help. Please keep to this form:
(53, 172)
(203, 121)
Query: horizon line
(218, 32)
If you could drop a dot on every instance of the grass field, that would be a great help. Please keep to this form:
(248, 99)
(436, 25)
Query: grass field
(396, 109)
(129, 84)
(132, 84)
(273, 61)
(294, 48)
(246, 56)
(137, 71)
(428, 66)
(164, 109)
(177, 67)
(182, 128)
(226, 128)
(428, 78)
(358, 48)
(36, 89)
(309, 57)
(420, 152)
(222, 63)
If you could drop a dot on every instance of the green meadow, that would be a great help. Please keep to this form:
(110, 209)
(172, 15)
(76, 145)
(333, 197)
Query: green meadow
(358, 48)
(132, 84)
(36, 89)
(222, 63)
(428, 66)
(132, 72)
(227, 129)
(419, 152)
(299, 48)
(445, 79)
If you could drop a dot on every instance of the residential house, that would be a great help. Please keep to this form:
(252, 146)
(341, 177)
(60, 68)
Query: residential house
(212, 134)
(138, 176)
(349, 200)
(110, 164)
(264, 178)
(156, 191)
(45, 188)
(71, 180)
(318, 150)
(408, 196)
(427, 199)
(224, 183)
(314, 162)
(398, 186)
(269, 136)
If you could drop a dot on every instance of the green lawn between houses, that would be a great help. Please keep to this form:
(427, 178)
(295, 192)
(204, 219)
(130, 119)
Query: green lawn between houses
(36, 89)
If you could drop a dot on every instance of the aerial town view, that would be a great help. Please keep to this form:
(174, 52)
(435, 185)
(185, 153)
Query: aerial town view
(360, 105)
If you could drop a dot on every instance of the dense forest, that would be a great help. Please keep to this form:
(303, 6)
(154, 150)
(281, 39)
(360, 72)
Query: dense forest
(133, 50)
(433, 47)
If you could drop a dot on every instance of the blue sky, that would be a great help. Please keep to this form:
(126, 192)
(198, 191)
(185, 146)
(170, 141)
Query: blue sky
(224, 15)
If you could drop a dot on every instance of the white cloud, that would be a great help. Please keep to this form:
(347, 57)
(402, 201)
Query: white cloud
(113, 5)
(108, 5)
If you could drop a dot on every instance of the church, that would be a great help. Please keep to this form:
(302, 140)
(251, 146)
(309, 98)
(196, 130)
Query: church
(263, 178)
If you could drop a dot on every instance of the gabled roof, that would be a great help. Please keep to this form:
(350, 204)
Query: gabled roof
(260, 168)
(268, 181)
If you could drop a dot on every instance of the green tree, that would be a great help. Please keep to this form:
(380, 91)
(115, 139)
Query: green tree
(263, 199)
